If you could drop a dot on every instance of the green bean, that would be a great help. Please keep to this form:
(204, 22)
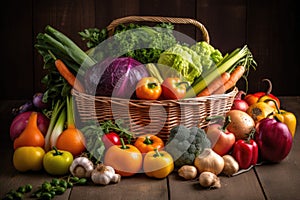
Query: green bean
(46, 196)
(63, 183)
(28, 188)
(55, 182)
(82, 181)
(59, 190)
(21, 189)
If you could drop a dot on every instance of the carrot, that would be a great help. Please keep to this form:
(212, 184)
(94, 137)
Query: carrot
(65, 72)
(214, 85)
(235, 75)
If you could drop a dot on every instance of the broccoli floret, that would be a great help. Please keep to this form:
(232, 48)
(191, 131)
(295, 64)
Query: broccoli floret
(185, 144)
(185, 159)
(182, 133)
(175, 130)
(192, 149)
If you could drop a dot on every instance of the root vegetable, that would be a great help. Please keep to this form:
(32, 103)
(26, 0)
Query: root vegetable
(231, 166)
(188, 172)
(241, 124)
(209, 161)
(209, 180)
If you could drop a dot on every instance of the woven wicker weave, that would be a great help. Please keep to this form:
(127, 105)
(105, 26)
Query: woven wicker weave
(154, 117)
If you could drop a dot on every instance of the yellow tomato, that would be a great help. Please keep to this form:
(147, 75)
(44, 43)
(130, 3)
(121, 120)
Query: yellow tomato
(127, 160)
(158, 164)
(28, 158)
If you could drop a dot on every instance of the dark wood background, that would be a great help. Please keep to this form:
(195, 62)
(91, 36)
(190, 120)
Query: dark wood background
(269, 28)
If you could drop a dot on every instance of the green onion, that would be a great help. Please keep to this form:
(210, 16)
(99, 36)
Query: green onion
(77, 54)
(58, 128)
(53, 121)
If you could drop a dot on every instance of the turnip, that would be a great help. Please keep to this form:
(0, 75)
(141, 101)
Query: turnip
(20, 121)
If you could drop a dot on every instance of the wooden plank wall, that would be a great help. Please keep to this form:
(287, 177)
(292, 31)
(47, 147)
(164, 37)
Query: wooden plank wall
(269, 28)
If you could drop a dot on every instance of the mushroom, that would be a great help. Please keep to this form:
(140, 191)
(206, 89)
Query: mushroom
(82, 167)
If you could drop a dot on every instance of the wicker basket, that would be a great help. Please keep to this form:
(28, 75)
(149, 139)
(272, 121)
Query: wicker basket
(158, 116)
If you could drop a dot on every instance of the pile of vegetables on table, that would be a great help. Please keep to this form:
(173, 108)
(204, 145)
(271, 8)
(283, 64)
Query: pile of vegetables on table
(46, 136)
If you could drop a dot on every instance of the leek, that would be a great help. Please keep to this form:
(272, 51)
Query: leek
(229, 61)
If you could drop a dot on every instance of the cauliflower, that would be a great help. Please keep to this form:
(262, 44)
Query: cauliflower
(185, 144)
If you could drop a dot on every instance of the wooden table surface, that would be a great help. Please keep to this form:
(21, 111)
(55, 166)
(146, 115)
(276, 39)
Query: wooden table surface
(272, 181)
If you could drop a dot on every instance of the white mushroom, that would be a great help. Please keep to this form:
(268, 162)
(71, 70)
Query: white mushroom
(82, 167)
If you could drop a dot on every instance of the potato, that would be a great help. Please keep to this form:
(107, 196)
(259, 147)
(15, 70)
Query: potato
(241, 124)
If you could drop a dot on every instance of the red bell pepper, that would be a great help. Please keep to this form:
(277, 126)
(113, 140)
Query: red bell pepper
(273, 139)
(245, 152)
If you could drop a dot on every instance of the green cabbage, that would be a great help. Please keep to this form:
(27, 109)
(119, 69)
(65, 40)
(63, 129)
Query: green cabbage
(188, 62)
(209, 55)
(183, 60)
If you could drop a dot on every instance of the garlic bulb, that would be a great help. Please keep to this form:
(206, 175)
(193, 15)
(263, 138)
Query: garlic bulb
(81, 167)
(209, 161)
(104, 175)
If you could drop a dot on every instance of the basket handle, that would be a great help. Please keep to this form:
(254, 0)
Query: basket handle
(175, 20)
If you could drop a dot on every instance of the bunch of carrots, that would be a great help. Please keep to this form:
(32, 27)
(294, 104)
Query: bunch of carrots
(224, 82)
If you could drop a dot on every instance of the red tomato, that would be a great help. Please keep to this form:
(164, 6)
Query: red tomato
(110, 139)
(222, 141)
(173, 88)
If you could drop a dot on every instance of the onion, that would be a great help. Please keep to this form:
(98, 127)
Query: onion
(37, 101)
(209, 161)
(20, 121)
(239, 103)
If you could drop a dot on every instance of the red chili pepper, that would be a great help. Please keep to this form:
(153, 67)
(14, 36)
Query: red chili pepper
(262, 96)
(110, 139)
(245, 152)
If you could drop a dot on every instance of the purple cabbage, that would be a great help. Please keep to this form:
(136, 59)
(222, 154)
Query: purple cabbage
(115, 77)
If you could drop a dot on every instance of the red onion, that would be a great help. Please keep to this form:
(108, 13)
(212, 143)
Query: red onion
(239, 103)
